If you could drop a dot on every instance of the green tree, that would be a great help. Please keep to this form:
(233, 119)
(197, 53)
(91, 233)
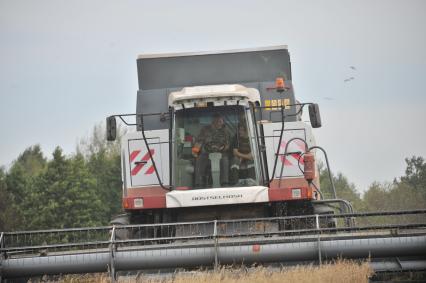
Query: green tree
(6, 205)
(106, 170)
(104, 163)
(96, 143)
(81, 190)
(32, 160)
(415, 175)
(344, 189)
(376, 197)
(18, 180)
(406, 193)
(64, 195)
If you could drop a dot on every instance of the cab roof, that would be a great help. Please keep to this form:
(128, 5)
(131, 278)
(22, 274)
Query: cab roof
(214, 91)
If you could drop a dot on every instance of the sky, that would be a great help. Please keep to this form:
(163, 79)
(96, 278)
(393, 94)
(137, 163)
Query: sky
(66, 65)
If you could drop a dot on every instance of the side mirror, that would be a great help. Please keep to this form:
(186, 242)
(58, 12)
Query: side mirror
(314, 115)
(111, 132)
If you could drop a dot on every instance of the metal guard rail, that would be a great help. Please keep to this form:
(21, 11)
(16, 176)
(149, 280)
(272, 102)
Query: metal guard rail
(379, 234)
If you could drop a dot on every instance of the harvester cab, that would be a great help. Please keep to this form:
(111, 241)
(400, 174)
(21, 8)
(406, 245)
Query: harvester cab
(210, 123)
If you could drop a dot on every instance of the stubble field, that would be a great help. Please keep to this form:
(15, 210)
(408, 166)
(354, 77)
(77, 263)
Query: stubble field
(341, 271)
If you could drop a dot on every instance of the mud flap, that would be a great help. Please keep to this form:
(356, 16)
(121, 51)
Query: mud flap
(325, 222)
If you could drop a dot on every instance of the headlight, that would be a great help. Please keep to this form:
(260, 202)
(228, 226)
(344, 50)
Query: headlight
(138, 202)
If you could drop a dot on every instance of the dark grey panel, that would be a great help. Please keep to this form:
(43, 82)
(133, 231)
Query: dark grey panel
(153, 101)
(150, 101)
(228, 68)
(251, 85)
(257, 69)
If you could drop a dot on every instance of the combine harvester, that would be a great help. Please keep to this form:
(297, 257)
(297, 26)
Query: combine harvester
(221, 170)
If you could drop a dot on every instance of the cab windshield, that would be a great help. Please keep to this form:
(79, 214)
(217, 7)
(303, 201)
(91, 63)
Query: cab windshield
(215, 147)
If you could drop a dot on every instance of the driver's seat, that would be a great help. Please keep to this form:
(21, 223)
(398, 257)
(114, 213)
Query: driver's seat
(215, 158)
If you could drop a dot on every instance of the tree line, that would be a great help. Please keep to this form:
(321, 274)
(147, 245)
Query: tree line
(80, 190)
(84, 189)
(403, 193)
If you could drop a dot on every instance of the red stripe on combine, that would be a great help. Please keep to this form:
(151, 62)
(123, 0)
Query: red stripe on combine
(146, 156)
(150, 170)
(141, 165)
(133, 155)
(301, 145)
(297, 157)
(285, 161)
(137, 169)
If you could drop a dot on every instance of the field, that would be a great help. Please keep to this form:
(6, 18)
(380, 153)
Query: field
(341, 271)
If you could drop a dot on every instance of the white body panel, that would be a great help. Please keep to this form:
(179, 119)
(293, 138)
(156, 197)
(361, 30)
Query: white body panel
(135, 154)
(217, 196)
(291, 130)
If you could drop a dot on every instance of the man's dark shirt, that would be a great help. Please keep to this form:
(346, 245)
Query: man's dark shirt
(214, 140)
(242, 144)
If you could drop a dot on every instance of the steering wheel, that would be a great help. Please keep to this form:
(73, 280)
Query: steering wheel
(214, 146)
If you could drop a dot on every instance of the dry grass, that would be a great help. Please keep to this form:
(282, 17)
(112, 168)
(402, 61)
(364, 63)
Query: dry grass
(341, 271)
